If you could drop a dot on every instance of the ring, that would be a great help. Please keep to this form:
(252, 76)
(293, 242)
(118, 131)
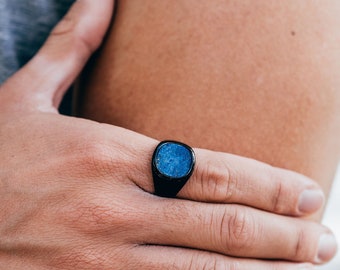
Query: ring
(172, 165)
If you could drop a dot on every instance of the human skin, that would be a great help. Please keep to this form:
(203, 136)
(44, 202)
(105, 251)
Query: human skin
(258, 79)
(77, 194)
(253, 78)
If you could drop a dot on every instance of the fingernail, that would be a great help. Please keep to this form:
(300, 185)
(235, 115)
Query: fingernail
(327, 248)
(311, 200)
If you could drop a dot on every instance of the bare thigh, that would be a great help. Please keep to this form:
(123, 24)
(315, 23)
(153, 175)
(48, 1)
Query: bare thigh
(255, 78)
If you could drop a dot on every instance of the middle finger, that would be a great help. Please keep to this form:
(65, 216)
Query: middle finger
(238, 231)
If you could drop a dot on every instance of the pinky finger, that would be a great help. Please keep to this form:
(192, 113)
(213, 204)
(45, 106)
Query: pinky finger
(175, 258)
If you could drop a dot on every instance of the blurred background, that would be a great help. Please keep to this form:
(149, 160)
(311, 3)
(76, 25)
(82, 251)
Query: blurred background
(332, 220)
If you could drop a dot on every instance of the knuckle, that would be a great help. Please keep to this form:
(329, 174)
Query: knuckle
(209, 263)
(277, 205)
(93, 157)
(68, 27)
(238, 230)
(192, 263)
(212, 264)
(96, 159)
(232, 265)
(299, 251)
(218, 181)
(65, 26)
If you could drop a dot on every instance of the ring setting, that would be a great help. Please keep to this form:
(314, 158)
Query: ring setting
(172, 165)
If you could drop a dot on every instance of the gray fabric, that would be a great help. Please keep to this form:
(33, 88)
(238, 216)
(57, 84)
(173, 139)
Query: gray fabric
(24, 26)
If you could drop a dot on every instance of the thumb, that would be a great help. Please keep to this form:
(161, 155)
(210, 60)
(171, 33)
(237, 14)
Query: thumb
(42, 82)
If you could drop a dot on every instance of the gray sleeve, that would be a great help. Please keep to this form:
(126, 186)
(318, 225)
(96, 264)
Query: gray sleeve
(24, 26)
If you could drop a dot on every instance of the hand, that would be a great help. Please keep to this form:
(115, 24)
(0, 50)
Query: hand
(76, 194)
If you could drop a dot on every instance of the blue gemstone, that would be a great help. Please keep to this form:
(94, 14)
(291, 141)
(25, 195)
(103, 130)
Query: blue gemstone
(174, 160)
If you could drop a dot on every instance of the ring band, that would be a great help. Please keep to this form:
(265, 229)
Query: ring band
(172, 165)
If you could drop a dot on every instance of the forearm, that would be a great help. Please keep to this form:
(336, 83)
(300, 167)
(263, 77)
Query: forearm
(255, 79)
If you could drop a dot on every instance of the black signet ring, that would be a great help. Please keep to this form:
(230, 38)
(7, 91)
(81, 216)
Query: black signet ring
(172, 165)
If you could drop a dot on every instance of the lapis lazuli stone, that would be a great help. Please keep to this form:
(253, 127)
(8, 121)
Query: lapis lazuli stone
(174, 160)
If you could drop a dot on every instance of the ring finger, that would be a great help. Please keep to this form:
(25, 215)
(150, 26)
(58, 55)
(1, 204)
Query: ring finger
(225, 178)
